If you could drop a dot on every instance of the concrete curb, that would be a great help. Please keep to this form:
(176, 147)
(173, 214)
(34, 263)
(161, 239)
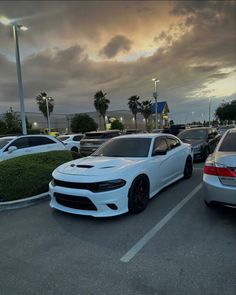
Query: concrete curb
(24, 202)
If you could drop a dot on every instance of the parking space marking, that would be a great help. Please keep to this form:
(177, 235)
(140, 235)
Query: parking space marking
(153, 231)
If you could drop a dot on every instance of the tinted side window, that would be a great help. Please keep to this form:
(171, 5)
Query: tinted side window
(160, 144)
(172, 143)
(110, 135)
(39, 140)
(77, 137)
(20, 143)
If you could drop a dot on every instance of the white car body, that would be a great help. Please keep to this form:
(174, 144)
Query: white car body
(71, 141)
(160, 170)
(28, 144)
(219, 174)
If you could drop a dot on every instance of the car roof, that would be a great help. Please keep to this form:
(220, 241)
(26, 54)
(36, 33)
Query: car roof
(8, 137)
(146, 135)
(104, 131)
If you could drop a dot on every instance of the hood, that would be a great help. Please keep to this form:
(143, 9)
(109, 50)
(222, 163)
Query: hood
(96, 166)
(193, 142)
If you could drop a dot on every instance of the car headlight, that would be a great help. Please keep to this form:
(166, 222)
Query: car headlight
(197, 147)
(107, 185)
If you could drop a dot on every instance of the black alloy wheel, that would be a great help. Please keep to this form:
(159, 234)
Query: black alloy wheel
(74, 149)
(205, 153)
(138, 194)
(188, 169)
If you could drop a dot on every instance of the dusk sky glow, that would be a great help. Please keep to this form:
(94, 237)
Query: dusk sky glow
(72, 49)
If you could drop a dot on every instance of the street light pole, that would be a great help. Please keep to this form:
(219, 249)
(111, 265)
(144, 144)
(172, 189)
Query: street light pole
(209, 111)
(155, 97)
(46, 98)
(19, 77)
(7, 22)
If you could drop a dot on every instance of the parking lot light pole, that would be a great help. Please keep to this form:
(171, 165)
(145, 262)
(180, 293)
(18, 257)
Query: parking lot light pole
(46, 98)
(155, 97)
(209, 111)
(16, 27)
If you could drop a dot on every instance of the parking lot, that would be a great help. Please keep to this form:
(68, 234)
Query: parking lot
(176, 246)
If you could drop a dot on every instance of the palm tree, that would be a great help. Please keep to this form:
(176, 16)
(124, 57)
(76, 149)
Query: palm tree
(101, 104)
(134, 106)
(41, 101)
(146, 111)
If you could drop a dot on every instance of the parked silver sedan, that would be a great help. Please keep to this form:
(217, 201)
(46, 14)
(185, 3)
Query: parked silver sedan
(219, 178)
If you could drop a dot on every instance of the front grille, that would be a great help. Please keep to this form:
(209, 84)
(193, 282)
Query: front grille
(75, 202)
(76, 185)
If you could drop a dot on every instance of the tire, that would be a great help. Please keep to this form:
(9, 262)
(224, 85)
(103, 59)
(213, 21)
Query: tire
(188, 169)
(74, 149)
(205, 153)
(138, 194)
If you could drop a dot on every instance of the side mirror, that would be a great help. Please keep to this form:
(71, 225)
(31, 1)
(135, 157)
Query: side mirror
(11, 149)
(159, 152)
(211, 136)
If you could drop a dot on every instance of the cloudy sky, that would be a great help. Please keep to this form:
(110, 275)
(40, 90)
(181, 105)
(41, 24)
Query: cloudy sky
(73, 49)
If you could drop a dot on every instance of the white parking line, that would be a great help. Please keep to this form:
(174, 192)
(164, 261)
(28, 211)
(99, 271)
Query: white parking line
(151, 233)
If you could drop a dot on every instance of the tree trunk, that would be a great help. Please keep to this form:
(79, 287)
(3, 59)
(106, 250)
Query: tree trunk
(135, 121)
(146, 122)
(100, 123)
(104, 120)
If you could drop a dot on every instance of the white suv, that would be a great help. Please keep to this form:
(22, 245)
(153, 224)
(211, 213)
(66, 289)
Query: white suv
(15, 146)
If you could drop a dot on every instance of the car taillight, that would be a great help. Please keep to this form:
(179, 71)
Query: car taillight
(219, 170)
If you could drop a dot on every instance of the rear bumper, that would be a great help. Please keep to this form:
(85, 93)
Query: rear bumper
(215, 191)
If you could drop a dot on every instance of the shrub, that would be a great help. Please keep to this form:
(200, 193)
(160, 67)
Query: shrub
(29, 175)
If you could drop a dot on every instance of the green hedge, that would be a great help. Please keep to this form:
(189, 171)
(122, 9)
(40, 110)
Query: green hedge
(29, 175)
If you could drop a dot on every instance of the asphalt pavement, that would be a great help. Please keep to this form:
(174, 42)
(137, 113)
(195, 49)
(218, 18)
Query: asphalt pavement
(186, 248)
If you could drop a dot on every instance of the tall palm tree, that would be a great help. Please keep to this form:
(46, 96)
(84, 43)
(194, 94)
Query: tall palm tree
(134, 106)
(41, 101)
(146, 111)
(101, 104)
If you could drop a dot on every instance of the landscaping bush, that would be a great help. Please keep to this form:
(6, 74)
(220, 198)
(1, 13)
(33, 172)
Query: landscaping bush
(29, 175)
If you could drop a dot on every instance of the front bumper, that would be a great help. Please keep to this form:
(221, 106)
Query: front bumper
(118, 198)
(198, 154)
(215, 191)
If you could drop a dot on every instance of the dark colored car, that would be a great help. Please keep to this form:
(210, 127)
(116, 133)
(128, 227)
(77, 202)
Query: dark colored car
(132, 131)
(176, 129)
(203, 140)
(93, 140)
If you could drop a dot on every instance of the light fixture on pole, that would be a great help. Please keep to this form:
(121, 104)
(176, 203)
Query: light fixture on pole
(155, 80)
(47, 99)
(5, 21)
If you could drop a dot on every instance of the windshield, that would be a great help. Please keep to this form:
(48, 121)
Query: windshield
(229, 143)
(4, 142)
(63, 138)
(193, 134)
(125, 147)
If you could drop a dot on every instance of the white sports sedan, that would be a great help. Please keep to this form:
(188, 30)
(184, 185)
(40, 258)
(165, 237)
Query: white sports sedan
(71, 141)
(121, 176)
(15, 146)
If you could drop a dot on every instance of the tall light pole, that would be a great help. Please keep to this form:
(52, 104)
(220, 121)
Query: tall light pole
(15, 28)
(47, 99)
(155, 97)
(209, 111)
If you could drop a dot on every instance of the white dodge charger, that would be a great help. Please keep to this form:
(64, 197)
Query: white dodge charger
(121, 176)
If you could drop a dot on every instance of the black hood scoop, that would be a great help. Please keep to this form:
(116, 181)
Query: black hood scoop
(82, 166)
